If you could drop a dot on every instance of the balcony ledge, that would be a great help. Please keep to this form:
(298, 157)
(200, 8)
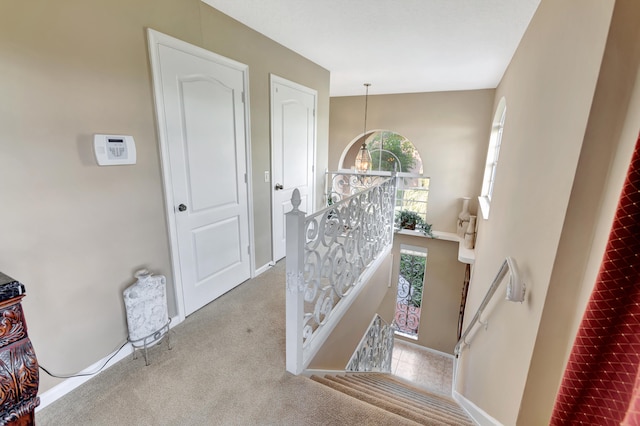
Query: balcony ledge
(465, 255)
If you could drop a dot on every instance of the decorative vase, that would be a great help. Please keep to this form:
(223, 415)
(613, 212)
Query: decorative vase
(470, 234)
(463, 218)
(146, 306)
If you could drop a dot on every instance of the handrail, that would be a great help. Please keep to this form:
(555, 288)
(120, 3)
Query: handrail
(515, 293)
(340, 184)
(373, 173)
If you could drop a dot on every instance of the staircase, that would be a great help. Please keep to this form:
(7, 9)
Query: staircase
(399, 397)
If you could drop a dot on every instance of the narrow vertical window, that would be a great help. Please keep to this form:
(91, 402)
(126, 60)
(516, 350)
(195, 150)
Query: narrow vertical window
(413, 262)
(493, 153)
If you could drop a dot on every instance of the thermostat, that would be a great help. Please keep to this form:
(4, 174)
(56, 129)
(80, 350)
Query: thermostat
(113, 150)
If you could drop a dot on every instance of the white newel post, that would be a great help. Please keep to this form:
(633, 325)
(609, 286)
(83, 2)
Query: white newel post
(295, 266)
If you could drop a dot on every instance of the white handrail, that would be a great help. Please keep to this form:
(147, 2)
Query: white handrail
(515, 293)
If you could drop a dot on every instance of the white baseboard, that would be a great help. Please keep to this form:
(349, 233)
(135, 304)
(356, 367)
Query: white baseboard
(63, 388)
(70, 384)
(477, 414)
(264, 268)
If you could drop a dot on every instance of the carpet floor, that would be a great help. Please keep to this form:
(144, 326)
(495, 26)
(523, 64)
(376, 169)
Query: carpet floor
(227, 367)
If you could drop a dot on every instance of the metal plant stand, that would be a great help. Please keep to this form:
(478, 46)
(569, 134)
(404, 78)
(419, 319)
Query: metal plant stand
(146, 342)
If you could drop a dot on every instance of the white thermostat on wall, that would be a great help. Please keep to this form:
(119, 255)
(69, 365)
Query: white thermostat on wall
(114, 150)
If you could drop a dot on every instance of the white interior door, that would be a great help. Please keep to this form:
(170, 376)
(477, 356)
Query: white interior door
(293, 136)
(201, 115)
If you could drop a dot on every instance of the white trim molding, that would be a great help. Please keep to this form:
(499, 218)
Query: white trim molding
(477, 414)
(465, 255)
(485, 206)
(263, 268)
(70, 384)
(58, 391)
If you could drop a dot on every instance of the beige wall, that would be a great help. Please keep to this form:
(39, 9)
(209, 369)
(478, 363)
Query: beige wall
(549, 88)
(229, 38)
(449, 129)
(74, 232)
(611, 134)
(441, 294)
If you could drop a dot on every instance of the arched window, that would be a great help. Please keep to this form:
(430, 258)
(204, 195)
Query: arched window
(388, 150)
(391, 151)
(493, 153)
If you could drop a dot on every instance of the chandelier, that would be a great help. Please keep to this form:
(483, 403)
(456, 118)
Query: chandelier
(363, 159)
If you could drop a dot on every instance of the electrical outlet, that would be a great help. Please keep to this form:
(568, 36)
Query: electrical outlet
(266, 176)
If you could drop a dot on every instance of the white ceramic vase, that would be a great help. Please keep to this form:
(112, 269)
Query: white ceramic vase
(470, 234)
(463, 218)
(146, 306)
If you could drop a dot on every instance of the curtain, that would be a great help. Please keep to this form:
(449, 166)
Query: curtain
(601, 384)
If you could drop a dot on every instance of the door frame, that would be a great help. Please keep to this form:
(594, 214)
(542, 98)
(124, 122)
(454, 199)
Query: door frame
(156, 39)
(273, 79)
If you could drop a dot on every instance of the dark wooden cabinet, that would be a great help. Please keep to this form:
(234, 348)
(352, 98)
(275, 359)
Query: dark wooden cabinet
(18, 364)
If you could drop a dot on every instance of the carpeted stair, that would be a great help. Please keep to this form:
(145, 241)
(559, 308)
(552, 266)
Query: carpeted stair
(399, 397)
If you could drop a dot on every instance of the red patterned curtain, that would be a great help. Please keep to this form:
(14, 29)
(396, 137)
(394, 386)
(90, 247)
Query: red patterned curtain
(601, 384)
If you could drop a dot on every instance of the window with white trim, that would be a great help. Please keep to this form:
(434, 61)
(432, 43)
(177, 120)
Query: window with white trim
(391, 151)
(409, 296)
(493, 153)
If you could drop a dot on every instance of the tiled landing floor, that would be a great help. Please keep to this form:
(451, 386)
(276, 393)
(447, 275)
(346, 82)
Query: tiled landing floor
(423, 367)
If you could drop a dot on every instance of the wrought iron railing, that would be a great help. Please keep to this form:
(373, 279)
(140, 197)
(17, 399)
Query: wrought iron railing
(343, 184)
(375, 351)
(412, 190)
(327, 254)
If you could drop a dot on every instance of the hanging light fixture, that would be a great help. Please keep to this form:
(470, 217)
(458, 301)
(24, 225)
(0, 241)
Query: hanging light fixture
(363, 159)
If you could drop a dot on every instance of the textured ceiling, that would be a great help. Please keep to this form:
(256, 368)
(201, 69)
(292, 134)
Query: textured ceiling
(399, 46)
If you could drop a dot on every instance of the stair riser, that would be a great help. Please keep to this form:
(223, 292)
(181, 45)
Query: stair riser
(378, 402)
(421, 407)
(397, 397)
(387, 388)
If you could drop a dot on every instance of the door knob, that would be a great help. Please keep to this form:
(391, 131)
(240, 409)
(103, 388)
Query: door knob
(182, 207)
(279, 186)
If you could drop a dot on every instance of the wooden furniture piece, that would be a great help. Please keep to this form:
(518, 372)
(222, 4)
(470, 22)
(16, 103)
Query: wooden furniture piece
(18, 363)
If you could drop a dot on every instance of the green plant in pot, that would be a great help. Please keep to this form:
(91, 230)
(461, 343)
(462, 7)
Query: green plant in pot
(407, 219)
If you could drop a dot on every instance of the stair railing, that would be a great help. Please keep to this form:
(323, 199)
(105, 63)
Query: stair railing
(330, 256)
(339, 185)
(515, 293)
(375, 350)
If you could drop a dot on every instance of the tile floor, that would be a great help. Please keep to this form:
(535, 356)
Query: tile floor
(428, 369)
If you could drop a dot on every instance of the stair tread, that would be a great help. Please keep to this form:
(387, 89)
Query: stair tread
(398, 420)
(390, 382)
(409, 385)
(382, 403)
(420, 400)
(394, 383)
(440, 411)
(398, 399)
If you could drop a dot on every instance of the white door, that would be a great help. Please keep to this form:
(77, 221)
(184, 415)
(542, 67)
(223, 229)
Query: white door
(201, 115)
(293, 135)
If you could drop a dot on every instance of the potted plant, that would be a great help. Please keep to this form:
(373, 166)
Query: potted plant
(407, 219)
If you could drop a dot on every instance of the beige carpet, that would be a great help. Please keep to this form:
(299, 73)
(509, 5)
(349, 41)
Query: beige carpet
(227, 367)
